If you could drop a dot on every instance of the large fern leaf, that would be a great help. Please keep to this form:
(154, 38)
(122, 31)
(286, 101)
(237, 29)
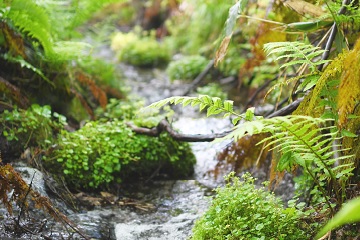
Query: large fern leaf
(214, 105)
(301, 141)
(299, 52)
(33, 21)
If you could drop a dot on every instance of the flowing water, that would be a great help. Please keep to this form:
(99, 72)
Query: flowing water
(159, 209)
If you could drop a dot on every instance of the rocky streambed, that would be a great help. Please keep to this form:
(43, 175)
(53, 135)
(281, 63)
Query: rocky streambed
(155, 210)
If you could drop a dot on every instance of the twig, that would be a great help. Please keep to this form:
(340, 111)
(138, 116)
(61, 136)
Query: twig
(164, 125)
(258, 90)
(286, 110)
(199, 78)
(24, 200)
(332, 36)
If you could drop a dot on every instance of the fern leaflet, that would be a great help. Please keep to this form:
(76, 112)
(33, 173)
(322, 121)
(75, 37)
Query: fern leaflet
(301, 53)
(214, 105)
(300, 141)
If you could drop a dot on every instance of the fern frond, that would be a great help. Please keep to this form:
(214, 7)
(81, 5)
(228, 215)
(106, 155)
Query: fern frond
(23, 63)
(214, 105)
(33, 21)
(299, 52)
(65, 50)
(299, 139)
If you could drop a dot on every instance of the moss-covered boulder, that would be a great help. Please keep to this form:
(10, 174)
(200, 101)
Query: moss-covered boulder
(101, 153)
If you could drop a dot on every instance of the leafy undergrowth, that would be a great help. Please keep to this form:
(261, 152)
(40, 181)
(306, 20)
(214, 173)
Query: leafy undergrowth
(242, 211)
(104, 152)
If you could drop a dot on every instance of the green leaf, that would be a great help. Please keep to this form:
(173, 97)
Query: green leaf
(235, 120)
(249, 115)
(202, 106)
(284, 162)
(349, 213)
(228, 105)
(346, 133)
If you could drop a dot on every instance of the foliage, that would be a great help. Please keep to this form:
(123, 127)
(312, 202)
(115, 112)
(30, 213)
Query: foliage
(301, 53)
(120, 109)
(33, 39)
(32, 20)
(127, 110)
(349, 213)
(202, 21)
(242, 211)
(186, 68)
(32, 127)
(143, 52)
(213, 105)
(102, 152)
(299, 139)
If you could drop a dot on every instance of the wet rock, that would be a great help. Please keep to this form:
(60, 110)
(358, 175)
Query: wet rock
(34, 178)
(177, 215)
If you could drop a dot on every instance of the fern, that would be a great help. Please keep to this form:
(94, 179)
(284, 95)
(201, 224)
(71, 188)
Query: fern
(302, 142)
(301, 53)
(214, 106)
(295, 135)
(33, 21)
(23, 63)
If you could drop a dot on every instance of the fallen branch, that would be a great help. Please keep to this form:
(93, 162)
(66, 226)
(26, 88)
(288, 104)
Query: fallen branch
(287, 109)
(164, 125)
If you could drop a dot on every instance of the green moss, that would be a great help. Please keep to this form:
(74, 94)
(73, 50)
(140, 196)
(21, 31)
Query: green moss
(241, 211)
(142, 52)
(187, 68)
(104, 152)
(32, 127)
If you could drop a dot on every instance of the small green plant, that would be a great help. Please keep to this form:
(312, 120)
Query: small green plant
(242, 211)
(32, 126)
(143, 52)
(186, 68)
(120, 109)
(103, 152)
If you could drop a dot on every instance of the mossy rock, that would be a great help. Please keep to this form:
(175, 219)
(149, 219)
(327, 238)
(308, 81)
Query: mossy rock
(186, 68)
(101, 153)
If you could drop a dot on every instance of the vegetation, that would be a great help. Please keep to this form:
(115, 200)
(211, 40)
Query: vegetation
(45, 77)
(242, 211)
(103, 152)
(186, 68)
(212, 89)
(319, 135)
(301, 53)
(143, 51)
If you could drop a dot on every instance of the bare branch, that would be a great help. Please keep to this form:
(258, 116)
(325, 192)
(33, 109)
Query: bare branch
(164, 125)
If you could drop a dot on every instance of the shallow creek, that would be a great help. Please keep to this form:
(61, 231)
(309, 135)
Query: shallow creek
(162, 209)
(174, 205)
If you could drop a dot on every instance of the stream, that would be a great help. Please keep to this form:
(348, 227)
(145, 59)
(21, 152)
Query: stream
(158, 210)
